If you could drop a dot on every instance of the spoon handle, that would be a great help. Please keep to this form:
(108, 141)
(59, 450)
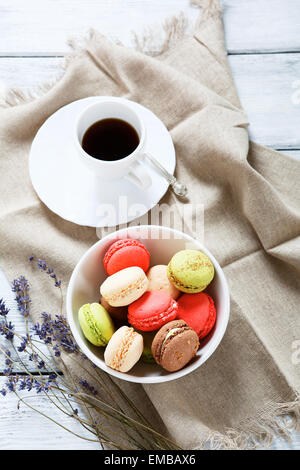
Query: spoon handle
(179, 188)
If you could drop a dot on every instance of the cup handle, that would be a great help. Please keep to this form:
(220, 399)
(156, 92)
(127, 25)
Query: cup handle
(139, 176)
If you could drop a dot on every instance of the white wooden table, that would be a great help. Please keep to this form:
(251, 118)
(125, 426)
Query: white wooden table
(263, 42)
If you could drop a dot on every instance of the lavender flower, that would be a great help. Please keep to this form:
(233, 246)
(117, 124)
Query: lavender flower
(56, 351)
(8, 361)
(40, 387)
(33, 357)
(46, 316)
(3, 310)
(21, 287)
(3, 392)
(42, 265)
(52, 377)
(12, 383)
(84, 383)
(26, 383)
(5, 326)
(24, 343)
(44, 331)
(6, 330)
(52, 380)
(57, 333)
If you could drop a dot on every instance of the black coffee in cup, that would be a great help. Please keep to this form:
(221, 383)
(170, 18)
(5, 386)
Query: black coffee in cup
(110, 139)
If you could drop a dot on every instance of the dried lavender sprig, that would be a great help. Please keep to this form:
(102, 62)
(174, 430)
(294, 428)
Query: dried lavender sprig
(59, 424)
(21, 287)
(27, 382)
(84, 383)
(108, 391)
(3, 309)
(75, 413)
(128, 418)
(41, 386)
(41, 365)
(42, 265)
(7, 330)
(128, 401)
(45, 390)
(56, 333)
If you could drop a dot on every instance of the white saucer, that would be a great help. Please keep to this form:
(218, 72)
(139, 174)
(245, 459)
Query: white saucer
(73, 192)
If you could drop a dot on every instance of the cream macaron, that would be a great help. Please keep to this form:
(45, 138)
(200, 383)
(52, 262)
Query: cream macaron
(124, 287)
(158, 280)
(124, 349)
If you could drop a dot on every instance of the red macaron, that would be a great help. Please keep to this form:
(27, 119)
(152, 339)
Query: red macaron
(124, 254)
(198, 311)
(153, 310)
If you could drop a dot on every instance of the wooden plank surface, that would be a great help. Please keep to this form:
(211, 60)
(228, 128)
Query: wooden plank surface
(26, 429)
(265, 83)
(268, 85)
(261, 25)
(41, 27)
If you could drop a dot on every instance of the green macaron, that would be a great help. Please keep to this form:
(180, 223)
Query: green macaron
(190, 271)
(96, 324)
(147, 356)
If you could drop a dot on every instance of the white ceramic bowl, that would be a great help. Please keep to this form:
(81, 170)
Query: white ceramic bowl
(162, 243)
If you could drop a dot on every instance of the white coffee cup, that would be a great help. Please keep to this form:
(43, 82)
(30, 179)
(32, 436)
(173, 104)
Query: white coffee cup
(131, 166)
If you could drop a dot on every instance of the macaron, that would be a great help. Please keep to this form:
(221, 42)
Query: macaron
(198, 311)
(151, 311)
(124, 254)
(117, 313)
(124, 349)
(190, 271)
(96, 324)
(158, 280)
(124, 287)
(174, 345)
(147, 356)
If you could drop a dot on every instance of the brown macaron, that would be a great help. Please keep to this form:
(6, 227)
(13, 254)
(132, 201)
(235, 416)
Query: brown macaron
(174, 345)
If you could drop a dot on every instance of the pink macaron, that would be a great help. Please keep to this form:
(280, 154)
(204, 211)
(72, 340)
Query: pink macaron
(152, 310)
(125, 254)
(198, 311)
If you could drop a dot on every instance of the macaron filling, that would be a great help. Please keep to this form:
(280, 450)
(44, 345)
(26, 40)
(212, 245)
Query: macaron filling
(123, 292)
(173, 332)
(123, 348)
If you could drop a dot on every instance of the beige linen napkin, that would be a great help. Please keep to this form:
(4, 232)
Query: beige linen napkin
(251, 197)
